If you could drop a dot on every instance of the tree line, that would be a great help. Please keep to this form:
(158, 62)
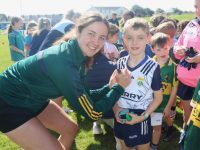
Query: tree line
(139, 12)
(147, 12)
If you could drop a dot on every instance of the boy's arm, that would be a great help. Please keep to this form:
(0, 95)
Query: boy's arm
(171, 101)
(156, 102)
(157, 92)
(172, 98)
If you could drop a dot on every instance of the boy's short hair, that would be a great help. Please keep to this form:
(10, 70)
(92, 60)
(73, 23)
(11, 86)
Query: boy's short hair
(181, 25)
(167, 28)
(156, 19)
(136, 23)
(159, 39)
(129, 13)
(113, 29)
(32, 25)
(174, 21)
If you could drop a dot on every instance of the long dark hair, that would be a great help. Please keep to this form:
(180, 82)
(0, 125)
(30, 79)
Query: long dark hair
(88, 18)
(85, 20)
(12, 23)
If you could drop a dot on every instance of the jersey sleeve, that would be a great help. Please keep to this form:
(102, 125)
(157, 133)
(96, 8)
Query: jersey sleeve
(175, 79)
(99, 93)
(156, 81)
(67, 79)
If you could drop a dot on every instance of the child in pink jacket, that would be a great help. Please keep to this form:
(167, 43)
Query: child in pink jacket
(188, 70)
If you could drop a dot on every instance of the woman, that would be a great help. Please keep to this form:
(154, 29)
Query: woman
(57, 71)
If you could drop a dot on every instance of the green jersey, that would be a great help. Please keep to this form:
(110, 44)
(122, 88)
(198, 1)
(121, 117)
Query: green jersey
(16, 39)
(56, 71)
(169, 80)
(193, 132)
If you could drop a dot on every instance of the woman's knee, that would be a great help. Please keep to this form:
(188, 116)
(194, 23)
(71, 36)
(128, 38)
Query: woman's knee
(70, 129)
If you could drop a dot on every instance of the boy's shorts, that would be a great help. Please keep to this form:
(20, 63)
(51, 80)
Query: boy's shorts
(185, 92)
(156, 119)
(12, 117)
(136, 134)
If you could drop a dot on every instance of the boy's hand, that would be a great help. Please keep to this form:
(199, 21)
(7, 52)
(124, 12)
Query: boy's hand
(135, 119)
(113, 80)
(195, 59)
(166, 112)
(180, 50)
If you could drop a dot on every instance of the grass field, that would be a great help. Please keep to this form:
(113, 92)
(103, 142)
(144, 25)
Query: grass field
(85, 140)
(183, 16)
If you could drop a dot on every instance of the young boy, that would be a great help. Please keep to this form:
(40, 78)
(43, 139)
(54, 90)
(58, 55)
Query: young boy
(143, 95)
(169, 29)
(160, 43)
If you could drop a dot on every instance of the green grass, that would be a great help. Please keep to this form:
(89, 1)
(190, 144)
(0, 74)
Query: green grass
(85, 140)
(4, 51)
(189, 16)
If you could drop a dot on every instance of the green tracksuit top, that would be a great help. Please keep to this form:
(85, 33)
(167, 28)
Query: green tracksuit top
(56, 71)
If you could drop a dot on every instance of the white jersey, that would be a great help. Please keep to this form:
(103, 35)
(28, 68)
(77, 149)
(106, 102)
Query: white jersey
(139, 93)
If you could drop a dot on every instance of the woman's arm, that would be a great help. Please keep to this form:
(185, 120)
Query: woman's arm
(67, 79)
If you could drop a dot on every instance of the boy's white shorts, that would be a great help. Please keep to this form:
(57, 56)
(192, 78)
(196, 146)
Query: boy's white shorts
(156, 119)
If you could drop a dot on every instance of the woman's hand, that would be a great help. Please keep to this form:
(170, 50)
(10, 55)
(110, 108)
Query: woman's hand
(123, 78)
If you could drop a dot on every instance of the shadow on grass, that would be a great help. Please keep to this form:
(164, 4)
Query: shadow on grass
(172, 144)
(106, 141)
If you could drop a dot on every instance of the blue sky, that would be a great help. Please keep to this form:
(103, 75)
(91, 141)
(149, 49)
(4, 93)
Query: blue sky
(18, 7)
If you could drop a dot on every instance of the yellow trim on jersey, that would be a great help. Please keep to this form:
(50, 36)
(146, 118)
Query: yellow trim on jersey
(87, 101)
(88, 108)
(166, 88)
(88, 113)
(195, 115)
(84, 96)
(175, 80)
